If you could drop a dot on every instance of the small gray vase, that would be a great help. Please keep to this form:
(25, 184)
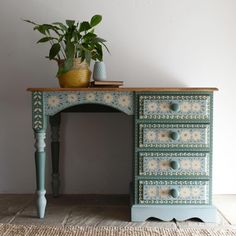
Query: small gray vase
(99, 71)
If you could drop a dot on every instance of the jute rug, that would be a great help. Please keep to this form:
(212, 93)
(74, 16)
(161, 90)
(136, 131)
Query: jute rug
(31, 230)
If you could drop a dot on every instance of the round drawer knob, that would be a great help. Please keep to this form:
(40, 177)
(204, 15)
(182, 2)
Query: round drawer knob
(174, 165)
(174, 106)
(174, 135)
(174, 193)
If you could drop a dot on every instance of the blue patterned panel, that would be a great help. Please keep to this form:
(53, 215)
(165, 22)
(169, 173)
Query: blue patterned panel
(174, 164)
(161, 136)
(39, 122)
(173, 192)
(174, 107)
(58, 101)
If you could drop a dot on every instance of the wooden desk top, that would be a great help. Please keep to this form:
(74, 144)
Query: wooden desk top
(126, 89)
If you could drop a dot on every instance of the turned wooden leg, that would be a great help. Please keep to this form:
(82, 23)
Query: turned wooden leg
(40, 157)
(55, 148)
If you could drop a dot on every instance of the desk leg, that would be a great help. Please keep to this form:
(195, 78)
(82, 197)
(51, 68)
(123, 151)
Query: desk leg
(40, 157)
(55, 149)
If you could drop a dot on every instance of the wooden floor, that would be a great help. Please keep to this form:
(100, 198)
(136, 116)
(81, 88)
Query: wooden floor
(98, 210)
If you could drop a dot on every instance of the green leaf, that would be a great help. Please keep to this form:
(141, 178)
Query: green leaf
(65, 67)
(99, 52)
(95, 20)
(29, 21)
(60, 71)
(44, 39)
(79, 36)
(84, 26)
(88, 57)
(60, 38)
(89, 36)
(54, 50)
(105, 47)
(70, 50)
(68, 64)
(41, 29)
(100, 40)
(70, 23)
(62, 26)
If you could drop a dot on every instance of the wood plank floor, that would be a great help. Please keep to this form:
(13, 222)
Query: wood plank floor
(92, 210)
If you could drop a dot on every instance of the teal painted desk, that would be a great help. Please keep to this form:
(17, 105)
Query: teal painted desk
(172, 162)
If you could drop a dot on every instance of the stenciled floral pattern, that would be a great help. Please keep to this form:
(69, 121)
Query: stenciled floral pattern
(196, 191)
(160, 164)
(164, 165)
(72, 98)
(124, 100)
(163, 136)
(196, 107)
(164, 107)
(108, 98)
(152, 106)
(164, 192)
(90, 97)
(152, 165)
(191, 192)
(153, 135)
(196, 165)
(57, 101)
(152, 192)
(150, 136)
(185, 192)
(188, 107)
(185, 106)
(185, 164)
(185, 135)
(196, 135)
(39, 120)
(53, 101)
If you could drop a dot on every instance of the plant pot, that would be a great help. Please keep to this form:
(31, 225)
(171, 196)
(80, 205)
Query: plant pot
(99, 71)
(77, 77)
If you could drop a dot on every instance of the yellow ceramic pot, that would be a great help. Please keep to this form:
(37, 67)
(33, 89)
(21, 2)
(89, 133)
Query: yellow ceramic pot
(77, 77)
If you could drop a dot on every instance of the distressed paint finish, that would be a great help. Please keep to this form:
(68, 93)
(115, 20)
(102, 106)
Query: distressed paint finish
(48, 104)
(40, 157)
(57, 101)
(173, 126)
(179, 212)
(39, 124)
(39, 118)
(160, 192)
(174, 107)
(189, 164)
(173, 156)
(159, 136)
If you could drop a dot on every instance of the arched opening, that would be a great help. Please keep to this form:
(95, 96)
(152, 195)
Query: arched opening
(96, 150)
(91, 107)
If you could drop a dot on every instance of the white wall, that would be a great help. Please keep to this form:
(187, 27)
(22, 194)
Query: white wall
(153, 43)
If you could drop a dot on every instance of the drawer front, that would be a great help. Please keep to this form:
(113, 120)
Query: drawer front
(174, 164)
(174, 107)
(173, 192)
(174, 136)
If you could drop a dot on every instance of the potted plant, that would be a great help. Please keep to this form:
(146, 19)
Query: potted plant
(73, 46)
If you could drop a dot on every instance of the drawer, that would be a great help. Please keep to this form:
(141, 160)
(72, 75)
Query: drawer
(174, 107)
(173, 192)
(174, 164)
(174, 136)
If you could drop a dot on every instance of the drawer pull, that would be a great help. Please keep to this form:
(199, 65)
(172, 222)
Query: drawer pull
(174, 193)
(174, 107)
(174, 135)
(174, 165)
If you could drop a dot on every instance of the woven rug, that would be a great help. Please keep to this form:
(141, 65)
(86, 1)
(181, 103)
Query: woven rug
(32, 230)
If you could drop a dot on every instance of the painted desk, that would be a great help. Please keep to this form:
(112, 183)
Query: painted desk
(172, 162)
